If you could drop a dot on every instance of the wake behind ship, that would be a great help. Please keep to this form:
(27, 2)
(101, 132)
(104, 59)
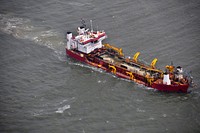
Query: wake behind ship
(87, 47)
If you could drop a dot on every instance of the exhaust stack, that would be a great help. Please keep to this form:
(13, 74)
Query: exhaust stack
(166, 79)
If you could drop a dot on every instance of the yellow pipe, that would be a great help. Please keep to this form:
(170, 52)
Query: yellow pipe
(155, 70)
(149, 79)
(131, 75)
(113, 69)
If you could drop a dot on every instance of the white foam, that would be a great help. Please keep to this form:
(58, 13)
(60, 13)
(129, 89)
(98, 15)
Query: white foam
(151, 118)
(87, 66)
(22, 28)
(76, 4)
(139, 100)
(164, 115)
(149, 88)
(67, 100)
(140, 110)
(62, 109)
(49, 38)
(18, 27)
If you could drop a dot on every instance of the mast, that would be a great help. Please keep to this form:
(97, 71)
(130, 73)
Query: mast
(91, 25)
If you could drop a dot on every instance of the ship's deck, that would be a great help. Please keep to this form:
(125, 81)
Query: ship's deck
(112, 57)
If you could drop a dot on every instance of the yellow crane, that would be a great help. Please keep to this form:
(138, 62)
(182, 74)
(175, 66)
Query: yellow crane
(170, 68)
(153, 63)
(118, 50)
(136, 56)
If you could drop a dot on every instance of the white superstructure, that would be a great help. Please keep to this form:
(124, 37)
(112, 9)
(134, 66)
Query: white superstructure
(86, 41)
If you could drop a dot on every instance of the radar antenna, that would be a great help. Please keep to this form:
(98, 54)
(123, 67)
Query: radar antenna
(83, 23)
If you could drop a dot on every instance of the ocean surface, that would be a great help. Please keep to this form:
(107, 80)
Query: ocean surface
(44, 91)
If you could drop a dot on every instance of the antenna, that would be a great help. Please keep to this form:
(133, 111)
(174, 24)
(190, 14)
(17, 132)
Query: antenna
(97, 28)
(91, 25)
(172, 63)
(83, 23)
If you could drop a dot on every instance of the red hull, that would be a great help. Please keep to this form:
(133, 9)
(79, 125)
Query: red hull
(79, 56)
(170, 88)
(156, 85)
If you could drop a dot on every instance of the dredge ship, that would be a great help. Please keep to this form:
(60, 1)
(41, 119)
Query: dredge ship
(87, 47)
